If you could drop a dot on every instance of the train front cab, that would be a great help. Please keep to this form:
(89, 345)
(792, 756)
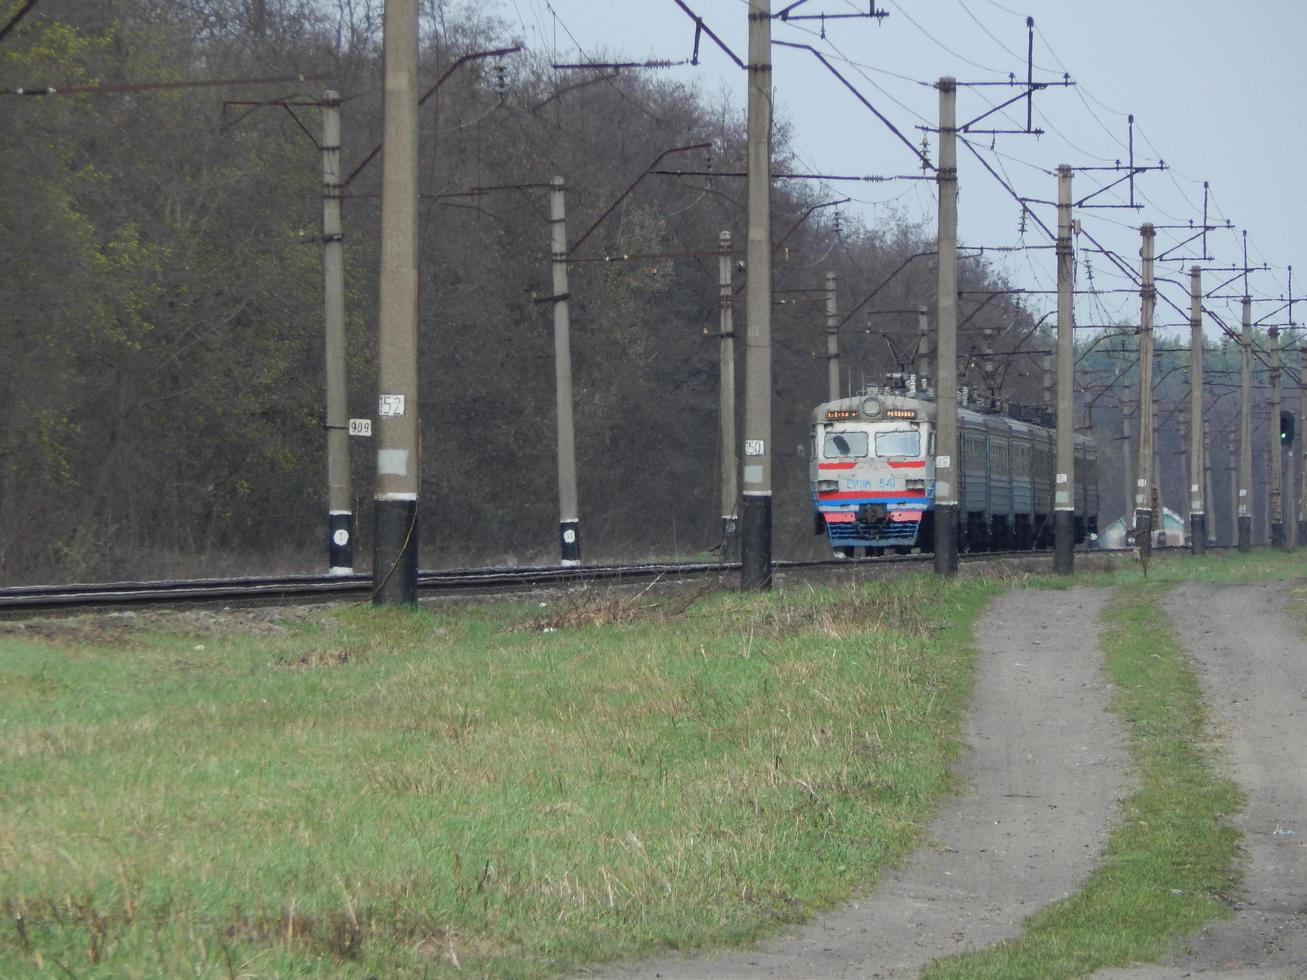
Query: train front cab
(872, 484)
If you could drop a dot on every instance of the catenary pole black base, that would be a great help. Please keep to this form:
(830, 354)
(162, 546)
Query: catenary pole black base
(946, 539)
(755, 543)
(340, 543)
(1245, 532)
(1144, 532)
(395, 553)
(730, 538)
(569, 541)
(1064, 541)
(1197, 533)
(1277, 535)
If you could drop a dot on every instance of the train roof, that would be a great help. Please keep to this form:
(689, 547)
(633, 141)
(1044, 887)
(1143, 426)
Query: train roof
(1019, 418)
(885, 398)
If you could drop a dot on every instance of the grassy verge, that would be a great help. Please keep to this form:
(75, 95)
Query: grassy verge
(1176, 565)
(505, 791)
(1170, 862)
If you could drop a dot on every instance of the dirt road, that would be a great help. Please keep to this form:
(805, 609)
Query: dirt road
(1252, 660)
(1046, 769)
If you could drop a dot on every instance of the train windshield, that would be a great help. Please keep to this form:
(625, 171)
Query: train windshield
(906, 443)
(842, 445)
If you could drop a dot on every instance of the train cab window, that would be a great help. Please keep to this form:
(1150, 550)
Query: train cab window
(842, 445)
(906, 443)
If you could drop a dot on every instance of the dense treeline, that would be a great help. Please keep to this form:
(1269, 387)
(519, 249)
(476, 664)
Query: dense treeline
(162, 294)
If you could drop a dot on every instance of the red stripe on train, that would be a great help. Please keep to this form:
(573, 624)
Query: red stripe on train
(911, 464)
(836, 466)
(867, 495)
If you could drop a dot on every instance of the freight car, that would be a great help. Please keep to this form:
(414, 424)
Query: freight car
(872, 475)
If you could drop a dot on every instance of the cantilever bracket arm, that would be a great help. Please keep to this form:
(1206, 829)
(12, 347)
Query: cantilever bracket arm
(925, 161)
(1130, 172)
(1037, 86)
(621, 197)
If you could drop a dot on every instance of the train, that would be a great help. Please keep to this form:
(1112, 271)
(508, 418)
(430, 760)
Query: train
(872, 475)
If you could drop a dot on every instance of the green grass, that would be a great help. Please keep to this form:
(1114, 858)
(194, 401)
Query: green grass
(505, 791)
(1177, 565)
(513, 791)
(1171, 860)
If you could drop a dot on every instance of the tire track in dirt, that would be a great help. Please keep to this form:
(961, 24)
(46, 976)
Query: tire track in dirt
(1252, 662)
(1043, 776)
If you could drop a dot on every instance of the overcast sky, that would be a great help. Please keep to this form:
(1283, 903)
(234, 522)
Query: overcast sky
(1215, 90)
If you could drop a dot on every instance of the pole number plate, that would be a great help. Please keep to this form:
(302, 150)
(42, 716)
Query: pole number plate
(360, 427)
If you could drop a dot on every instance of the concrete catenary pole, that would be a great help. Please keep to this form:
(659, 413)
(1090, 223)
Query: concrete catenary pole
(1159, 487)
(923, 348)
(946, 344)
(1197, 499)
(1144, 468)
(1209, 496)
(399, 465)
(1245, 495)
(1232, 464)
(340, 502)
(1261, 515)
(569, 520)
(1275, 457)
(1288, 505)
(755, 557)
(832, 337)
(730, 476)
(1183, 441)
(1300, 440)
(1128, 499)
(1064, 494)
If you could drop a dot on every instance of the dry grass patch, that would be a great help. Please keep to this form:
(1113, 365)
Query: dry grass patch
(849, 611)
(615, 608)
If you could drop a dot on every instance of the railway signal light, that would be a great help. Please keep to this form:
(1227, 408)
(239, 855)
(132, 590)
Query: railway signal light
(1286, 429)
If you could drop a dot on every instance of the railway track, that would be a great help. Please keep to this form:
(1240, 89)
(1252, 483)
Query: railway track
(271, 590)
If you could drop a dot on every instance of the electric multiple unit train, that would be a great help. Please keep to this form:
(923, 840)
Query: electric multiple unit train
(872, 476)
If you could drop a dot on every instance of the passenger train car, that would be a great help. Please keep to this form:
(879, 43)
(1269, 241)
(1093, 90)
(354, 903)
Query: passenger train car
(872, 476)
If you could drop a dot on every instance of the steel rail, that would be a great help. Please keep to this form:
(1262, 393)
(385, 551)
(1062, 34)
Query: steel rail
(265, 590)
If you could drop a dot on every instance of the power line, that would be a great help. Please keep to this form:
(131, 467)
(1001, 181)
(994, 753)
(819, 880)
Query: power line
(13, 21)
(157, 86)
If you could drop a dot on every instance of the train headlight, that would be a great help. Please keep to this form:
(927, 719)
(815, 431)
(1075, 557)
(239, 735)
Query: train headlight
(870, 407)
(824, 485)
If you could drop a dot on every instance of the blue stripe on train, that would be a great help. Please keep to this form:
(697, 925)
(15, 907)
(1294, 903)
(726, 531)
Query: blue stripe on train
(881, 533)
